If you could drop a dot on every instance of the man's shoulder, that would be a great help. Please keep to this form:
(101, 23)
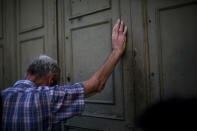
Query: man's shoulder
(23, 86)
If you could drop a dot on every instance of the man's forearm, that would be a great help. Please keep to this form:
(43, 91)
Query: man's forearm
(97, 82)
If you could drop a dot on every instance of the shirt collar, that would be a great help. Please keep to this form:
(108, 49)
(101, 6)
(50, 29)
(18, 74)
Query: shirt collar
(26, 82)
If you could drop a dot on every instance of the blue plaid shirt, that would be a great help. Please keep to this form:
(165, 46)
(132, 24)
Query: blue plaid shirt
(27, 107)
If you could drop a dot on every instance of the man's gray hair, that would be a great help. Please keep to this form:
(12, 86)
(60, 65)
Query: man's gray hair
(44, 66)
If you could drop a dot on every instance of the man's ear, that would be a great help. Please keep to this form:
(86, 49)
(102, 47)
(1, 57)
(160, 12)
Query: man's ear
(52, 80)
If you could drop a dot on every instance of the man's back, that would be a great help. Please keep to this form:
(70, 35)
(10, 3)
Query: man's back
(27, 107)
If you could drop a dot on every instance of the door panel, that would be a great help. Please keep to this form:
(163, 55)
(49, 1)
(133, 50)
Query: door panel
(85, 64)
(32, 48)
(31, 13)
(88, 6)
(173, 46)
(178, 35)
(35, 31)
(87, 45)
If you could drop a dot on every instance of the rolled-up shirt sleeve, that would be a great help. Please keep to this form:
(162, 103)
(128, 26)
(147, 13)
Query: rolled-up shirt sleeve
(66, 101)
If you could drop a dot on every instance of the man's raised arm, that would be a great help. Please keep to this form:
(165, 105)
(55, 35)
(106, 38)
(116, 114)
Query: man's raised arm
(97, 82)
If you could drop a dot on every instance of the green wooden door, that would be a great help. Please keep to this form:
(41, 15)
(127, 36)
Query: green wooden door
(36, 31)
(87, 34)
(172, 43)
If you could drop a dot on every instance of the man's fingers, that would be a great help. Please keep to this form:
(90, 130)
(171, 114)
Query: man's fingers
(118, 26)
(121, 27)
(125, 30)
(115, 29)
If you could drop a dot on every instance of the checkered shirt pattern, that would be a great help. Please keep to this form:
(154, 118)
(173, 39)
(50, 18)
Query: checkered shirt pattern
(27, 107)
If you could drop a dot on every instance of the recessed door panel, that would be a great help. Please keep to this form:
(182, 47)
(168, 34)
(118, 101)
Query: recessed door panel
(178, 37)
(31, 15)
(79, 7)
(86, 61)
(173, 48)
(30, 50)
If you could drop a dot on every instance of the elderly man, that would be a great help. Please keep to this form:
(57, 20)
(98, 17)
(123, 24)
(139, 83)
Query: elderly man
(34, 104)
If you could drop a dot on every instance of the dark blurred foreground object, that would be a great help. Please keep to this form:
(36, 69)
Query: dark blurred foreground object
(170, 115)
